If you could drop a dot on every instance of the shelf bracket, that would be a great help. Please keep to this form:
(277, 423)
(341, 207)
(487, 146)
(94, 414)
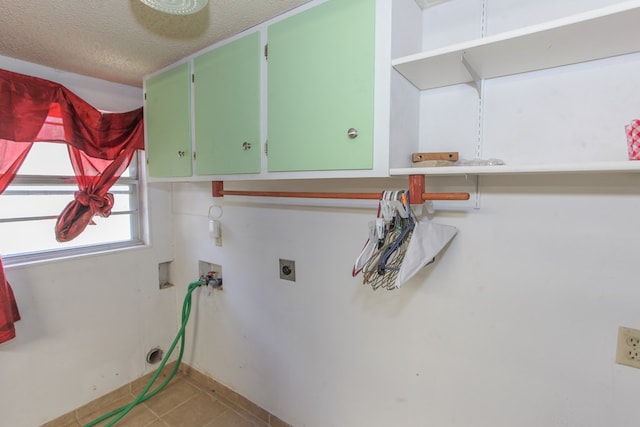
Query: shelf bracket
(478, 81)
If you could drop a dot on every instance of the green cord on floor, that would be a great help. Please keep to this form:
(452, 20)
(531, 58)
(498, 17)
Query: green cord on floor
(143, 396)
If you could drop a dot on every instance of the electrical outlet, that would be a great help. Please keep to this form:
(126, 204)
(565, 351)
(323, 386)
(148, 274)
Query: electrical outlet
(288, 269)
(628, 352)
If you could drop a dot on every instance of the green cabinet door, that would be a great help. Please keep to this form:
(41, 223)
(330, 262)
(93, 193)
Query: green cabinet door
(227, 108)
(321, 86)
(168, 123)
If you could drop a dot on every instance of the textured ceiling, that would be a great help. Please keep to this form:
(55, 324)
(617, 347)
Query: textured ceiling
(120, 40)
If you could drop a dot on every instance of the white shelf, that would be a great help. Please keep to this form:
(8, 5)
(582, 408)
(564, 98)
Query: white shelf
(551, 168)
(597, 34)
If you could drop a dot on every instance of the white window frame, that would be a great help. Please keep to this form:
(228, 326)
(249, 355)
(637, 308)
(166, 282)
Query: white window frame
(139, 223)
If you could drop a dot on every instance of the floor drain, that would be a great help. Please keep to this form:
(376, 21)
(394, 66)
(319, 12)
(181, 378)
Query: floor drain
(154, 356)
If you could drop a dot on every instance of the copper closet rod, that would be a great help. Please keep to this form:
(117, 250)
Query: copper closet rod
(416, 193)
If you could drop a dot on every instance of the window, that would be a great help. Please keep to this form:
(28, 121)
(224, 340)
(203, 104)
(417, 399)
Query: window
(45, 184)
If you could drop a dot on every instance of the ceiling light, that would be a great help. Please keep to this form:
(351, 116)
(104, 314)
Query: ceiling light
(176, 7)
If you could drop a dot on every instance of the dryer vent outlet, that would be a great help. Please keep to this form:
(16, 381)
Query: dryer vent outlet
(288, 270)
(154, 356)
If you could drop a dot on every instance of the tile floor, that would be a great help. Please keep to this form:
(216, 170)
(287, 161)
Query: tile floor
(187, 401)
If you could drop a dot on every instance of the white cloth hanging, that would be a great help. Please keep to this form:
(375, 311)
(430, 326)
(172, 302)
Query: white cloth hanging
(427, 240)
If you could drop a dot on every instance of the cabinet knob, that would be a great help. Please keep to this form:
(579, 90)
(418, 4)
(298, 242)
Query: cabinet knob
(352, 133)
(181, 153)
(246, 146)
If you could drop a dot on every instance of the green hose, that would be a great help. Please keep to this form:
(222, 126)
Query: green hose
(143, 396)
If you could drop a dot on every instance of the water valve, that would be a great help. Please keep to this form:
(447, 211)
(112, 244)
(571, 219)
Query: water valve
(212, 279)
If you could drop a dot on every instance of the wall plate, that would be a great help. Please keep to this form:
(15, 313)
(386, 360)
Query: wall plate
(628, 351)
(288, 269)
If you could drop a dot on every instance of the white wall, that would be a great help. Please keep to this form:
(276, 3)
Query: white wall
(516, 323)
(87, 323)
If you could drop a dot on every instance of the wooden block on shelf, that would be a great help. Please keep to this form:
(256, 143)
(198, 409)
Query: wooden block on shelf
(432, 163)
(447, 155)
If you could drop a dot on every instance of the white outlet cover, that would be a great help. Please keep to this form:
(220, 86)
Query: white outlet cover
(628, 351)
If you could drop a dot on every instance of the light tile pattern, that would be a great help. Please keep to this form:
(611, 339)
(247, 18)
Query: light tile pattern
(191, 399)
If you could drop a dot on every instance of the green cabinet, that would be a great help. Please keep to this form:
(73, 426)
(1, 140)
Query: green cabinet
(227, 110)
(168, 123)
(321, 88)
(318, 94)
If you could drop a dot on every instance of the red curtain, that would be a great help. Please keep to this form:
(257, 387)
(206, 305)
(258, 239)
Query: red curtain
(94, 177)
(100, 147)
(31, 109)
(9, 313)
(11, 157)
(96, 172)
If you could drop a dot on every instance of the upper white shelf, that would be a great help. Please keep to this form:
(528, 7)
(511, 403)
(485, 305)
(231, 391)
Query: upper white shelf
(549, 168)
(596, 34)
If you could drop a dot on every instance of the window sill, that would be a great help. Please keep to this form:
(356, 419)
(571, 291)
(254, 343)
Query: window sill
(31, 259)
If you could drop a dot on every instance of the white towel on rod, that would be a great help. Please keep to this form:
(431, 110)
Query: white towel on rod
(427, 240)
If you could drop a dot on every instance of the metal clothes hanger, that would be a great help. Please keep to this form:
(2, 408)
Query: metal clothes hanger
(382, 267)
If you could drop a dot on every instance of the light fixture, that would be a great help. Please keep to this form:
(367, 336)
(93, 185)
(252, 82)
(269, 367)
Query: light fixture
(176, 7)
